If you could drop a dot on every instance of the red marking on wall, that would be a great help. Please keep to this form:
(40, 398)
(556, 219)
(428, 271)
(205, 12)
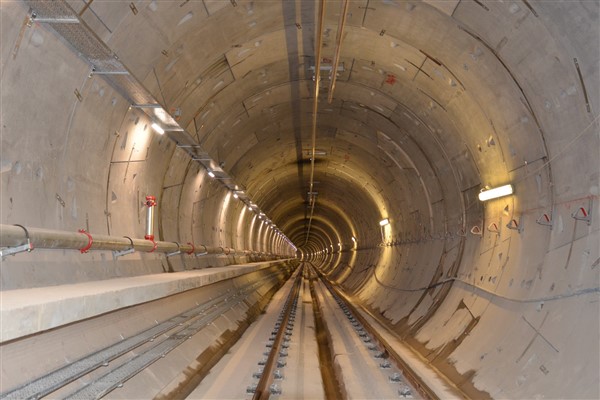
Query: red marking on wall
(391, 79)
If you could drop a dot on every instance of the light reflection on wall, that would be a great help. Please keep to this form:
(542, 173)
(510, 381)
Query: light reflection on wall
(224, 212)
(239, 239)
(250, 236)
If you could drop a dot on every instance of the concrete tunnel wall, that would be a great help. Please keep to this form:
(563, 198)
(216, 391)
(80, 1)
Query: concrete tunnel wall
(436, 100)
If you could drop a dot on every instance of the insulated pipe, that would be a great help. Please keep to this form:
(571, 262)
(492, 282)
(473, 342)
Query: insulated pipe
(12, 236)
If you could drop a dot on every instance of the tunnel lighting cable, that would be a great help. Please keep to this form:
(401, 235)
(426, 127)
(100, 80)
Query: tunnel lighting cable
(338, 49)
(562, 150)
(476, 287)
(311, 197)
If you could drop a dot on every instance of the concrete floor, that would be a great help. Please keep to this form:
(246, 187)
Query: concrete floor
(234, 373)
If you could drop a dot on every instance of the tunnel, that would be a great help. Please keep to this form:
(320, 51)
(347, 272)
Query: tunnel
(158, 156)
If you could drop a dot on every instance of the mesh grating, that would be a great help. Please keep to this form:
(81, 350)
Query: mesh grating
(90, 47)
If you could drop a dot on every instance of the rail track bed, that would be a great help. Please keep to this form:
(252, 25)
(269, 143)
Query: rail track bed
(308, 344)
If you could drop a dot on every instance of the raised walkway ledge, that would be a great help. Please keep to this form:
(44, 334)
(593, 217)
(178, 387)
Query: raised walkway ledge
(27, 311)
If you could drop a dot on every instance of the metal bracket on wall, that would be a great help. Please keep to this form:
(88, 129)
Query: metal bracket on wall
(119, 253)
(28, 247)
(546, 220)
(175, 252)
(476, 230)
(493, 227)
(581, 214)
(14, 250)
(516, 225)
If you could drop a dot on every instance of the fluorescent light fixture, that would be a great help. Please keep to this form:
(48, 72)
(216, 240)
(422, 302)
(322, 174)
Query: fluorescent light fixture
(496, 192)
(211, 174)
(157, 128)
(384, 222)
(353, 239)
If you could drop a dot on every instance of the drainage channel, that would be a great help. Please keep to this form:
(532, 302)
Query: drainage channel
(179, 328)
(269, 368)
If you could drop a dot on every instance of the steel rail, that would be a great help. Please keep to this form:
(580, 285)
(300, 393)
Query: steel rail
(13, 236)
(262, 391)
(411, 376)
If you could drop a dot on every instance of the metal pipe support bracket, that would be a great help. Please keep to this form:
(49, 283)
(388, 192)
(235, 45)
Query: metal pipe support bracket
(28, 247)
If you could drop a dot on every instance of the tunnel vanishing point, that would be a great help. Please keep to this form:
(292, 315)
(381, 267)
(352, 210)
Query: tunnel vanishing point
(157, 154)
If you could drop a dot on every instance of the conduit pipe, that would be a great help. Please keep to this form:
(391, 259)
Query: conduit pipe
(311, 197)
(13, 236)
(338, 49)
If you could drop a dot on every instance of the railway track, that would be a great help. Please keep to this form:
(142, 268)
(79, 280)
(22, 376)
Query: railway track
(408, 384)
(311, 337)
(277, 347)
(310, 343)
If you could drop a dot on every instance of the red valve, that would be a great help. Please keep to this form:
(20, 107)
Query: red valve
(150, 201)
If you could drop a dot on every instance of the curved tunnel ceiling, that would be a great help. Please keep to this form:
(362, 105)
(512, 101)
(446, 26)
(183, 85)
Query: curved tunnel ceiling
(397, 125)
(434, 101)
(424, 109)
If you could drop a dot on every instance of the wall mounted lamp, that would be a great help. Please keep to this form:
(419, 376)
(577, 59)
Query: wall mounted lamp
(494, 193)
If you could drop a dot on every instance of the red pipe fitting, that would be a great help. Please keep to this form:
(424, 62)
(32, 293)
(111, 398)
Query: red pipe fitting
(193, 248)
(86, 248)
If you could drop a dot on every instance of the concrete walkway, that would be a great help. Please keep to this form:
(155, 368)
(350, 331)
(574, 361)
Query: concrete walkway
(28, 311)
